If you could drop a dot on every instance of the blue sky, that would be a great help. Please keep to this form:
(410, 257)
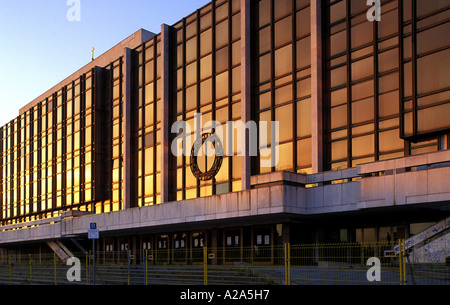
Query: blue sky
(39, 46)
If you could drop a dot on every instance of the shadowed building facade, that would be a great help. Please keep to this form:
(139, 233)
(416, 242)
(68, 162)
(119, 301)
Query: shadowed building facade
(362, 108)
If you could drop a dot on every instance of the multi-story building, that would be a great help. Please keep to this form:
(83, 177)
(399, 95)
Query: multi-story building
(362, 107)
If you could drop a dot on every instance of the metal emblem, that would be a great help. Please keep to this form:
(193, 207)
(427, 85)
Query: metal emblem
(212, 172)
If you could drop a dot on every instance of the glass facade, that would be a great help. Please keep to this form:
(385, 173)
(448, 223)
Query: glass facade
(385, 89)
(282, 80)
(146, 120)
(65, 152)
(425, 66)
(47, 155)
(206, 72)
(110, 138)
(386, 94)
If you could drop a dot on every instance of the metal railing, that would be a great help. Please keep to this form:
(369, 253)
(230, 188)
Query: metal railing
(314, 264)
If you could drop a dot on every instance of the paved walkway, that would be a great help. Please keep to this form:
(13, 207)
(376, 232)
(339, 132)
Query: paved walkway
(352, 276)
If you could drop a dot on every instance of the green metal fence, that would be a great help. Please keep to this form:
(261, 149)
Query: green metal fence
(315, 264)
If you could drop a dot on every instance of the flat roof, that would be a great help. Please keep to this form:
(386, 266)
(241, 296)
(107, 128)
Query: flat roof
(103, 60)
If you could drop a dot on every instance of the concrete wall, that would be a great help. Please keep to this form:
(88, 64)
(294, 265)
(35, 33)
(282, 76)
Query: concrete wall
(415, 179)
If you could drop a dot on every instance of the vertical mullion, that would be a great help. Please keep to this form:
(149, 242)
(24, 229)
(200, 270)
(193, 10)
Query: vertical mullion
(272, 72)
(8, 172)
(31, 161)
(349, 87)
(44, 191)
(18, 167)
(73, 143)
(11, 171)
(54, 150)
(63, 141)
(155, 109)
(13, 168)
(230, 95)
(400, 68)
(39, 158)
(64, 135)
(138, 136)
(82, 145)
(64, 144)
(141, 201)
(294, 87)
(110, 162)
(95, 126)
(197, 80)
(165, 77)
(414, 65)
(254, 53)
(183, 64)
(375, 92)
(1, 175)
(9, 165)
(326, 105)
(121, 186)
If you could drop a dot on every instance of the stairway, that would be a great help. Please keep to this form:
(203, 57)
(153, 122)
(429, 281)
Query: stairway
(432, 245)
(58, 247)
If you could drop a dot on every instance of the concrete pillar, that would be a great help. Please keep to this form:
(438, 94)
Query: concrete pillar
(214, 244)
(126, 129)
(165, 128)
(443, 142)
(246, 96)
(320, 235)
(98, 149)
(316, 86)
(286, 236)
(135, 248)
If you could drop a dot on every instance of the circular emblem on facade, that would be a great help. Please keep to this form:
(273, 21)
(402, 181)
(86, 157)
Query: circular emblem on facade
(217, 144)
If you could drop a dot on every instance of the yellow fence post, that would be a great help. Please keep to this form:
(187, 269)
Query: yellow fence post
(287, 263)
(205, 266)
(404, 262)
(401, 261)
(128, 258)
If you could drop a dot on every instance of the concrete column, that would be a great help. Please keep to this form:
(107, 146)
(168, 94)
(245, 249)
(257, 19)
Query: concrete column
(444, 142)
(165, 128)
(316, 86)
(214, 245)
(98, 119)
(286, 236)
(126, 129)
(246, 96)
